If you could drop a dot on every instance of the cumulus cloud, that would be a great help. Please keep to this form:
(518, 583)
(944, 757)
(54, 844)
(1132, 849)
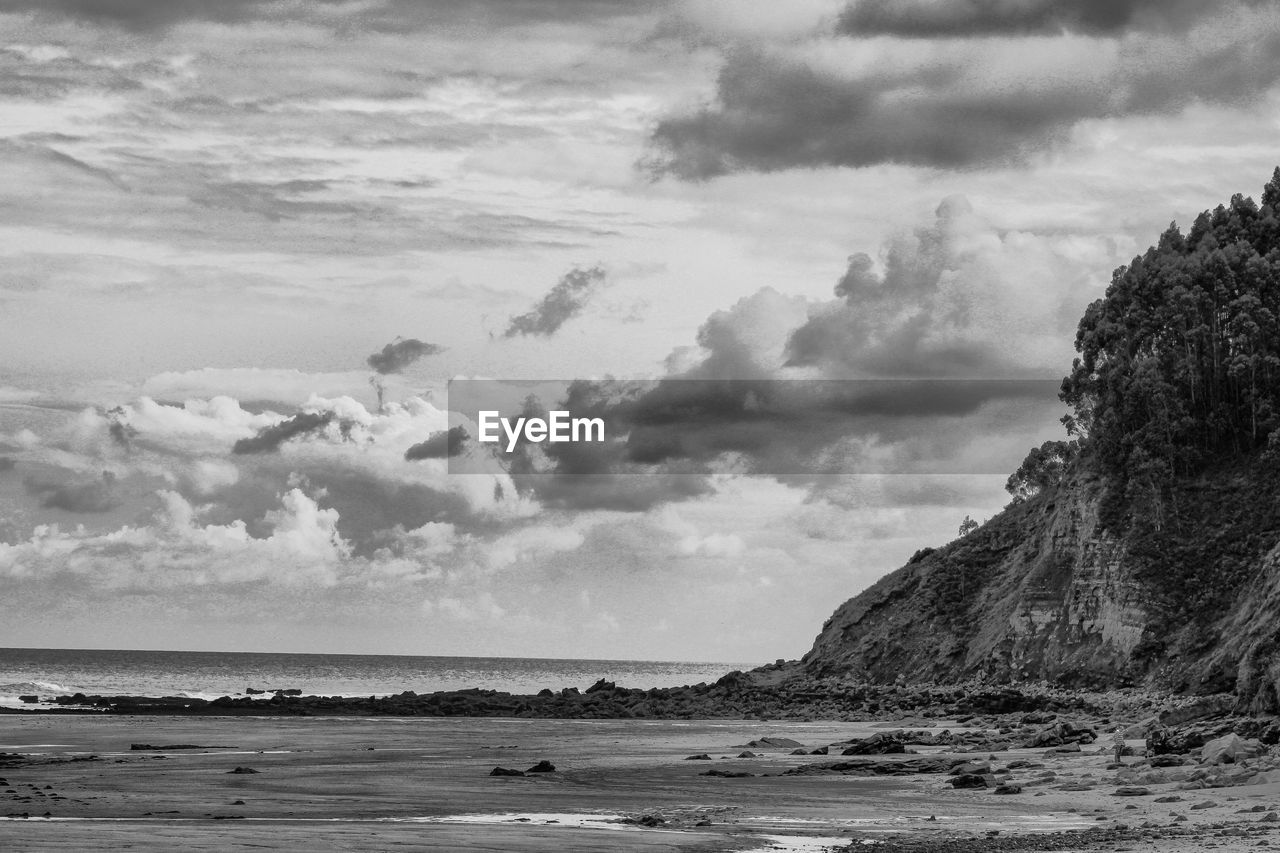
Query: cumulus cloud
(955, 103)
(957, 298)
(303, 547)
(400, 353)
(564, 302)
(923, 355)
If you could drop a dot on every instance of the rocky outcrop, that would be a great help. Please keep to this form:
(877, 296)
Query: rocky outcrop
(1046, 591)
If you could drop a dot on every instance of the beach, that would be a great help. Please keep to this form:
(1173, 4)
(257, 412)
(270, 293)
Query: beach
(424, 783)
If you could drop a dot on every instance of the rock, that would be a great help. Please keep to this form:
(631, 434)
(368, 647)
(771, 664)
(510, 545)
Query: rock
(1007, 788)
(799, 752)
(727, 774)
(30, 700)
(968, 780)
(879, 744)
(505, 771)
(249, 691)
(1169, 799)
(1131, 791)
(773, 743)
(543, 766)
(1229, 749)
(601, 685)
(822, 750)
(1061, 734)
(244, 770)
(1171, 760)
(701, 756)
(1207, 804)
(747, 754)
(979, 767)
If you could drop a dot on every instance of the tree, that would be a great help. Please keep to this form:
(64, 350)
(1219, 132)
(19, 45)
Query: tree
(1180, 360)
(1042, 468)
(968, 526)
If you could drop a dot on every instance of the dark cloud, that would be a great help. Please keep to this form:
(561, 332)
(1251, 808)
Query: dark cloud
(961, 18)
(121, 432)
(90, 496)
(269, 439)
(441, 445)
(565, 301)
(773, 113)
(401, 353)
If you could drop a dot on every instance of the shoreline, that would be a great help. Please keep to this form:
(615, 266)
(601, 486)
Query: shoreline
(937, 779)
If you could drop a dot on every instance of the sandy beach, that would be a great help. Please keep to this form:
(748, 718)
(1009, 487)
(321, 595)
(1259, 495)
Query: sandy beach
(377, 784)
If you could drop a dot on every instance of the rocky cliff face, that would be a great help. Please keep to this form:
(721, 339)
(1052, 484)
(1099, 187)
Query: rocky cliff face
(1047, 591)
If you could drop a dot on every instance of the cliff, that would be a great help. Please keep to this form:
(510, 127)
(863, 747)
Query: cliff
(1075, 587)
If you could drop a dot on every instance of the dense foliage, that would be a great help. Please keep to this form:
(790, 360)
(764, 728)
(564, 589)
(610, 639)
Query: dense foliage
(1043, 467)
(1180, 360)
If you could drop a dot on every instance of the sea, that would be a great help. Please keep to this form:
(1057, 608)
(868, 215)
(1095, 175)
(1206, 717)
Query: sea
(48, 673)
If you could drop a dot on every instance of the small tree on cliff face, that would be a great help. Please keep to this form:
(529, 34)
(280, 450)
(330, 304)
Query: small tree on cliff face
(1180, 360)
(968, 526)
(1043, 468)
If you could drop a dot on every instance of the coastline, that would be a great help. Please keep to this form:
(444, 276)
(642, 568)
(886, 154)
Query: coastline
(1036, 768)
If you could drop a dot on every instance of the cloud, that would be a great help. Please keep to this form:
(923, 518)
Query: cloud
(954, 299)
(400, 353)
(93, 496)
(6, 464)
(565, 301)
(441, 445)
(387, 15)
(269, 439)
(302, 548)
(965, 18)
(956, 103)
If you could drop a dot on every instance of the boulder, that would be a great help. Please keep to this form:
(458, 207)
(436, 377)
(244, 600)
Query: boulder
(1062, 733)
(543, 766)
(1229, 749)
(505, 771)
(968, 780)
(881, 744)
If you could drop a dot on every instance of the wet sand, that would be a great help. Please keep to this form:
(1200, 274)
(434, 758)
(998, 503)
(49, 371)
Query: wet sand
(423, 783)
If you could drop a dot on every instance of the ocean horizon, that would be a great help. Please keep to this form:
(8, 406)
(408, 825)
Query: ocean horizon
(210, 674)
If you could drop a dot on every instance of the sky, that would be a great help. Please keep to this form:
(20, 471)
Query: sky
(247, 244)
